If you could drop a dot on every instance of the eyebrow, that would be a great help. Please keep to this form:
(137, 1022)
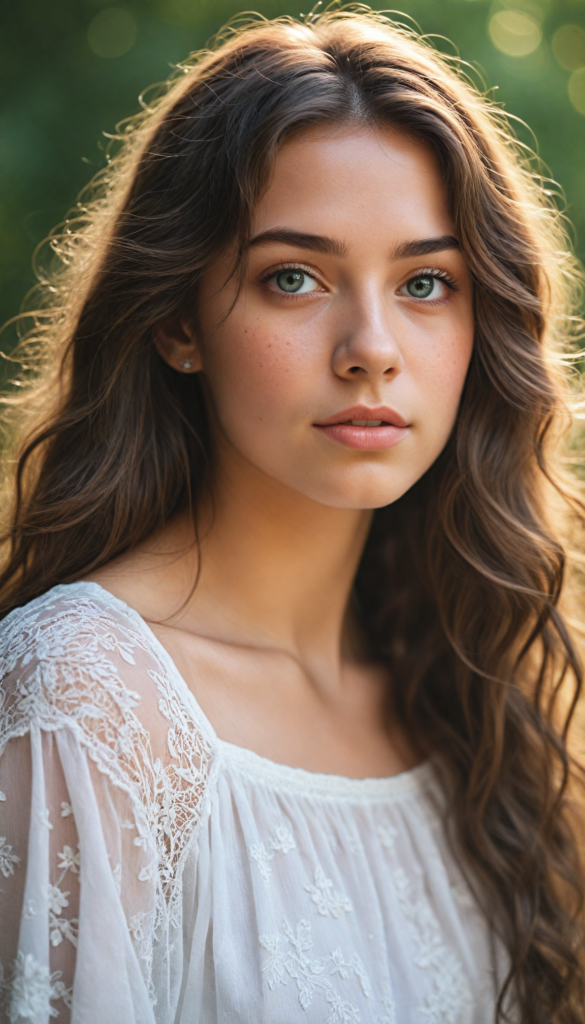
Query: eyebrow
(301, 240)
(424, 246)
(333, 247)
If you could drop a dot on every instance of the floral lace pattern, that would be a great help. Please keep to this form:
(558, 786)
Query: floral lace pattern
(327, 899)
(281, 842)
(7, 858)
(450, 999)
(73, 649)
(389, 1017)
(33, 989)
(62, 654)
(60, 927)
(312, 974)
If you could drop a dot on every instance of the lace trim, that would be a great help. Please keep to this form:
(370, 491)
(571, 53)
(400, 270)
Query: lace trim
(299, 781)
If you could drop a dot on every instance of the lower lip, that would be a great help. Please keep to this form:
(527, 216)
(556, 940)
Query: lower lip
(367, 439)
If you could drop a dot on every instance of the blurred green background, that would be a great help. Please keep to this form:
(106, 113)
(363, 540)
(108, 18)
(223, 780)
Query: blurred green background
(70, 69)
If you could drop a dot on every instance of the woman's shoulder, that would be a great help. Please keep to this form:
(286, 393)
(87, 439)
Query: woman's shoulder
(73, 631)
(65, 610)
(78, 657)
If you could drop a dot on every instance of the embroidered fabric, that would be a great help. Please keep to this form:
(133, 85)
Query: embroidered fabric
(151, 873)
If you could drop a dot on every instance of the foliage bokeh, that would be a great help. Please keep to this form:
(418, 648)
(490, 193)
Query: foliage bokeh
(71, 69)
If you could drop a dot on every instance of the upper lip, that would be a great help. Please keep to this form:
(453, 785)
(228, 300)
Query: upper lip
(363, 412)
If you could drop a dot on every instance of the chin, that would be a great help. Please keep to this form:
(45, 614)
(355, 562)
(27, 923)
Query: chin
(359, 494)
(363, 502)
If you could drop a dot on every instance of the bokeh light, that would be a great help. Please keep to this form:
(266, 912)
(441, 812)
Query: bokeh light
(112, 32)
(568, 46)
(577, 90)
(515, 33)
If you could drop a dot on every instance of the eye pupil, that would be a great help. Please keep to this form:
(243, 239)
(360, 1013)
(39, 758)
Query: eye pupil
(420, 287)
(290, 280)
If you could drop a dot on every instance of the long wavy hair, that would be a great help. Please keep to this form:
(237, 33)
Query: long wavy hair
(461, 580)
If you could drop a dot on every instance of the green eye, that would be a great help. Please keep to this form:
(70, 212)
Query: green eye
(420, 287)
(290, 280)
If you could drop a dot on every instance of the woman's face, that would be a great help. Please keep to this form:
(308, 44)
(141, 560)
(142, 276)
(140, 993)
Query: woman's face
(356, 308)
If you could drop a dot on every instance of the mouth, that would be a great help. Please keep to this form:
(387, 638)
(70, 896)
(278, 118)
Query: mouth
(366, 423)
(365, 428)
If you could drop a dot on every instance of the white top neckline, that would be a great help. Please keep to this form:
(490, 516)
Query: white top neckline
(274, 773)
(301, 781)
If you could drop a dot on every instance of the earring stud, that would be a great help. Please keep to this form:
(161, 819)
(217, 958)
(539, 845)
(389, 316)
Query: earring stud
(187, 364)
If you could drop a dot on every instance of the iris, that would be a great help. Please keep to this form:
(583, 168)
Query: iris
(421, 287)
(290, 280)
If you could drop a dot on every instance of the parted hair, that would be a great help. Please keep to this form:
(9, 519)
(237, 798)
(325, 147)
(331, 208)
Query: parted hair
(463, 580)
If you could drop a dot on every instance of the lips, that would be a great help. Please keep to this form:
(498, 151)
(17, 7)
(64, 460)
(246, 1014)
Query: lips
(365, 428)
(365, 416)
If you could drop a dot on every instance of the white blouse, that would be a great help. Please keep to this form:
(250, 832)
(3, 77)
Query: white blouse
(151, 872)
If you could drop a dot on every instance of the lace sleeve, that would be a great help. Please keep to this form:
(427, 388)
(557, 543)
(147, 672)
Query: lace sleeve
(102, 782)
(39, 889)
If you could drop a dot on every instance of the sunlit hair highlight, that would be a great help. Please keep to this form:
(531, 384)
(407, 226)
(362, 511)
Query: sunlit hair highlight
(462, 580)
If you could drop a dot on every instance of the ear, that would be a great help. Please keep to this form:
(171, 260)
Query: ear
(176, 341)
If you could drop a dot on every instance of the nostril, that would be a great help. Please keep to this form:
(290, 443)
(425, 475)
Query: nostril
(354, 369)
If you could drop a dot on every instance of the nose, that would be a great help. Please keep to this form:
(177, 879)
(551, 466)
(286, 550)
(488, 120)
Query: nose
(367, 345)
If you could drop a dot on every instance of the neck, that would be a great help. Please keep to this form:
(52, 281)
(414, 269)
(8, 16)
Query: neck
(276, 567)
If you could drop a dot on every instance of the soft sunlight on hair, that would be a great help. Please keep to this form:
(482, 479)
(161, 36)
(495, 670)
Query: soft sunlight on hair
(464, 580)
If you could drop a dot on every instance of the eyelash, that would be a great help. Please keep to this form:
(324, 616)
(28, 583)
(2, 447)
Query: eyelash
(440, 275)
(288, 266)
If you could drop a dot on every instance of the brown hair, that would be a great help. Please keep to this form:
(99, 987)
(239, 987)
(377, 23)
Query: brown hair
(460, 580)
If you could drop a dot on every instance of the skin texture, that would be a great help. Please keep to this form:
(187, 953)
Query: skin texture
(266, 641)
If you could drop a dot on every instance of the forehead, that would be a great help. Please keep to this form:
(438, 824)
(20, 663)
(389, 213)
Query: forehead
(349, 182)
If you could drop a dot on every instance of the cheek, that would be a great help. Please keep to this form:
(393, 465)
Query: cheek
(255, 372)
(440, 367)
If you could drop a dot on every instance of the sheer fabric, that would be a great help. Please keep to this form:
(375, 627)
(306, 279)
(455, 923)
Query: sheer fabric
(151, 872)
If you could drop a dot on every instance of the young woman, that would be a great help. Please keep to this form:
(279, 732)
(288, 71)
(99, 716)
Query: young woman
(286, 683)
